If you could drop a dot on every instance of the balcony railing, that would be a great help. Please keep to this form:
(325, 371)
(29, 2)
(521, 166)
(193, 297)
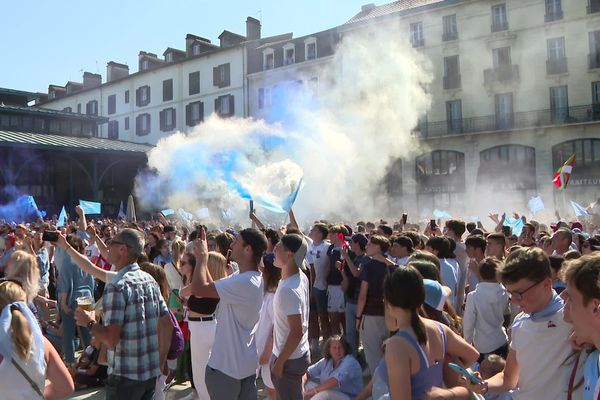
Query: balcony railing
(593, 6)
(556, 66)
(419, 42)
(518, 120)
(501, 73)
(446, 36)
(594, 60)
(553, 16)
(452, 82)
(499, 26)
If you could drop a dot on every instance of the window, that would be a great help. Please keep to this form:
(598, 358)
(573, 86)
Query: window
(91, 108)
(113, 129)
(499, 20)
(504, 111)
(112, 104)
(127, 97)
(224, 105)
(451, 72)
(54, 126)
(167, 119)
(142, 124)
(557, 60)
(559, 104)
(268, 59)
(553, 10)
(596, 92)
(142, 96)
(169, 57)
(168, 89)
(310, 49)
(264, 98)
(194, 83)
(594, 49)
(289, 54)
(194, 113)
(449, 26)
(126, 123)
(145, 64)
(593, 6)
(79, 108)
(416, 34)
(222, 75)
(196, 49)
(454, 116)
(501, 57)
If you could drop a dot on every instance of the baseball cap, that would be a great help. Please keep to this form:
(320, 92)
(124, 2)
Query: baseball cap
(297, 245)
(435, 294)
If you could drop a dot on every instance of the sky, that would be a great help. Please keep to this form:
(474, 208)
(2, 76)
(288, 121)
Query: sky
(53, 42)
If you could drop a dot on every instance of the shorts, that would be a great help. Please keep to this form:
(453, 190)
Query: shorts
(336, 302)
(321, 297)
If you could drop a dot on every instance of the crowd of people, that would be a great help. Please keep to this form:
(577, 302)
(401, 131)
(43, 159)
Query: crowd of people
(337, 311)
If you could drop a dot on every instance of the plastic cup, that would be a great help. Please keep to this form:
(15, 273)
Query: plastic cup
(86, 303)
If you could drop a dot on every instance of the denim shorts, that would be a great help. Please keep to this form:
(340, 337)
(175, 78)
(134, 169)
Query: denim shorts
(321, 297)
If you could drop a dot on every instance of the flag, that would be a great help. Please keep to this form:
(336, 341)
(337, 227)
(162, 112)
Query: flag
(563, 175)
(185, 215)
(580, 211)
(516, 224)
(203, 213)
(62, 218)
(441, 214)
(121, 211)
(536, 204)
(90, 207)
(167, 211)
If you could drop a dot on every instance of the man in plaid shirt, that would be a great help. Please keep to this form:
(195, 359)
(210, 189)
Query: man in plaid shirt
(136, 328)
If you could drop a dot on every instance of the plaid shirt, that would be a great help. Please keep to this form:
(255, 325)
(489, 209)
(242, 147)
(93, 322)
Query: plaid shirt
(133, 301)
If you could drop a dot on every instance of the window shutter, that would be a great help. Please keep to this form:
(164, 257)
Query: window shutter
(217, 106)
(188, 115)
(137, 97)
(137, 125)
(231, 103)
(148, 98)
(216, 76)
(227, 80)
(201, 112)
(161, 119)
(173, 118)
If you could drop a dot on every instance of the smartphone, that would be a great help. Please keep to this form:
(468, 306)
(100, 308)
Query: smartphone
(432, 224)
(50, 236)
(474, 380)
(251, 206)
(404, 218)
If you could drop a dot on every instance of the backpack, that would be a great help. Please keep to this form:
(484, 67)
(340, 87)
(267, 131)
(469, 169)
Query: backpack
(177, 341)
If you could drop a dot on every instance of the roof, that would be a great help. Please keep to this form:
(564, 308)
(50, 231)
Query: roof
(395, 7)
(51, 113)
(29, 95)
(76, 143)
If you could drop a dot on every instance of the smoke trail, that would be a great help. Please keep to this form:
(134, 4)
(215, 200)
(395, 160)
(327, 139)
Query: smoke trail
(340, 138)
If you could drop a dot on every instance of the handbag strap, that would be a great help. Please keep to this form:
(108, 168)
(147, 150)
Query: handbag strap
(26, 376)
(572, 377)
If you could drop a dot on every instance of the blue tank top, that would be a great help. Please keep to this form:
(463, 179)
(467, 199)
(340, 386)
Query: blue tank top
(427, 377)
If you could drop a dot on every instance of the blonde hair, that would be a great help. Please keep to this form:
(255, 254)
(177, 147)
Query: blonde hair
(217, 264)
(178, 250)
(25, 270)
(159, 275)
(20, 331)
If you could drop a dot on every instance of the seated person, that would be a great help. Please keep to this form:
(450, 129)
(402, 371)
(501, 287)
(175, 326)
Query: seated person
(88, 372)
(336, 376)
(491, 365)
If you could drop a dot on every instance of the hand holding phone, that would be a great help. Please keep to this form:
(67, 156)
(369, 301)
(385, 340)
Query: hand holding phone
(404, 218)
(50, 236)
(472, 378)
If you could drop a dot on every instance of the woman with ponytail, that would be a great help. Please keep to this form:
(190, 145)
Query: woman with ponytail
(27, 359)
(414, 356)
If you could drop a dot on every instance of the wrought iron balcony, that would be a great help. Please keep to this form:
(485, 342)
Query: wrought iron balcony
(553, 16)
(507, 121)
(446, 36)
(556, 66)
(452, 82)
(501, 73)
(499, 26)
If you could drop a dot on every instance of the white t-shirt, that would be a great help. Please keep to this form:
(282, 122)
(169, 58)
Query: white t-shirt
(234, 350)
(291, 298)
(92, 252)
(317, 255)
(265, 322)
(542, 348)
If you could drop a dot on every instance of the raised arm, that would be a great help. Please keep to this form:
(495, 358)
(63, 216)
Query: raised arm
(202, 284)
(82, 261)
(254, 218)
(82, 223)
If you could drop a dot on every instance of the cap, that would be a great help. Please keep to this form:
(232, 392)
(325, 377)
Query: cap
(297, 245)
(577, 225)
(435, 294)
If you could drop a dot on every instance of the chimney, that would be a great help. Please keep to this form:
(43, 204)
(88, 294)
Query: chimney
(116, 71)
(252, 29)
(91, 80)
(367, 7)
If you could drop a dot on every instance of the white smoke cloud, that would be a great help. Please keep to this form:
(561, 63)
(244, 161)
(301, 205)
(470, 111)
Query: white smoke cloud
(340, 141)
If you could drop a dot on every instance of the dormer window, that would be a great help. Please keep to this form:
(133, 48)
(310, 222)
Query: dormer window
(310, 48)
(196, 49)
(268, 59)
(169, 57)
(289, 54)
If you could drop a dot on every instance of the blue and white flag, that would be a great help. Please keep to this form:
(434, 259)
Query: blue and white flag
(167, 211)
(441, 214)
(121, 211)
(536, 204)
(516, 224)
(185, 215)
(90, 207)
(62, 218)
(580, 211)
